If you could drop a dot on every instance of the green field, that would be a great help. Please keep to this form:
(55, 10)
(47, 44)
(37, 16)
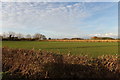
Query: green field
(76, 48)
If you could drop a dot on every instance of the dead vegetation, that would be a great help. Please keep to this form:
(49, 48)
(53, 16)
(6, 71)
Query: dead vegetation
(86, 40)
(31, 64)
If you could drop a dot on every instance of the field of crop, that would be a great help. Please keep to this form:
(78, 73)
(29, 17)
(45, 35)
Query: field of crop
(93, 49)
(32, 60)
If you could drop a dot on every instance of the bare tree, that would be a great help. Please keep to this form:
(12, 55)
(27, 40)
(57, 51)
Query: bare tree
(43, 37)
(4, 35)
(28, 36)
(39, 36)
(12, 34)
(19, 35)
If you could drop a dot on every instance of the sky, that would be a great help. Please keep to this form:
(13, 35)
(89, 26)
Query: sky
(61, 19)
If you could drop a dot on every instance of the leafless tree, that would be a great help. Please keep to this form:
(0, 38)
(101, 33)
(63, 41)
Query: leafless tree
(28, 36)
(19, 35)
(39, 36)
(4, 35)
(43, 37)
(12, 34)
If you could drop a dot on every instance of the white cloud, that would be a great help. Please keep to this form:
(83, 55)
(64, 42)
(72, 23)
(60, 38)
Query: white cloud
(59, 19)
(104, 35)
(59, 0)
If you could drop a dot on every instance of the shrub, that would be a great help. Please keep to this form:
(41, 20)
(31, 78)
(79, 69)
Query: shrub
(31, 64)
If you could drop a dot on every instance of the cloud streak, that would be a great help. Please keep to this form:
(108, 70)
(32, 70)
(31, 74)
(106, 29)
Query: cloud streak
(60, 19)
(59, 0)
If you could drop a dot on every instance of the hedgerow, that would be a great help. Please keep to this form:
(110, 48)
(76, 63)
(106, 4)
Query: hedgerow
(32, 64)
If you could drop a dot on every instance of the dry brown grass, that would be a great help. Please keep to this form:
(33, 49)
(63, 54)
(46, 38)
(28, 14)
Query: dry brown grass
(86, 40)
(31, 64)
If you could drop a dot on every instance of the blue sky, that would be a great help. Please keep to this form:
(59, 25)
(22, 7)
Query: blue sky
(61, 19)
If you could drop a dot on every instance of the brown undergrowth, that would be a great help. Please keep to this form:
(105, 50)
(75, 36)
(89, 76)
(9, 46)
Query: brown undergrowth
(31, 64)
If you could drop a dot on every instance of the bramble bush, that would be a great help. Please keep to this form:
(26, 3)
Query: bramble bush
(32, 64)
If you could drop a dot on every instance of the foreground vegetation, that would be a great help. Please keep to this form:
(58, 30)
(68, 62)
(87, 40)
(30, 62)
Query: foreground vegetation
(93, 49)
(32, 65)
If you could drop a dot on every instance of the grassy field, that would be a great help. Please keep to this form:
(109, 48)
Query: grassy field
(93, 49)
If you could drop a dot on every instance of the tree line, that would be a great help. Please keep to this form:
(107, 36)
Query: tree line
(12, 36)
(19, 36)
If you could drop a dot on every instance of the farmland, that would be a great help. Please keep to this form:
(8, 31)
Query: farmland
(93, 49)
(50, 59)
